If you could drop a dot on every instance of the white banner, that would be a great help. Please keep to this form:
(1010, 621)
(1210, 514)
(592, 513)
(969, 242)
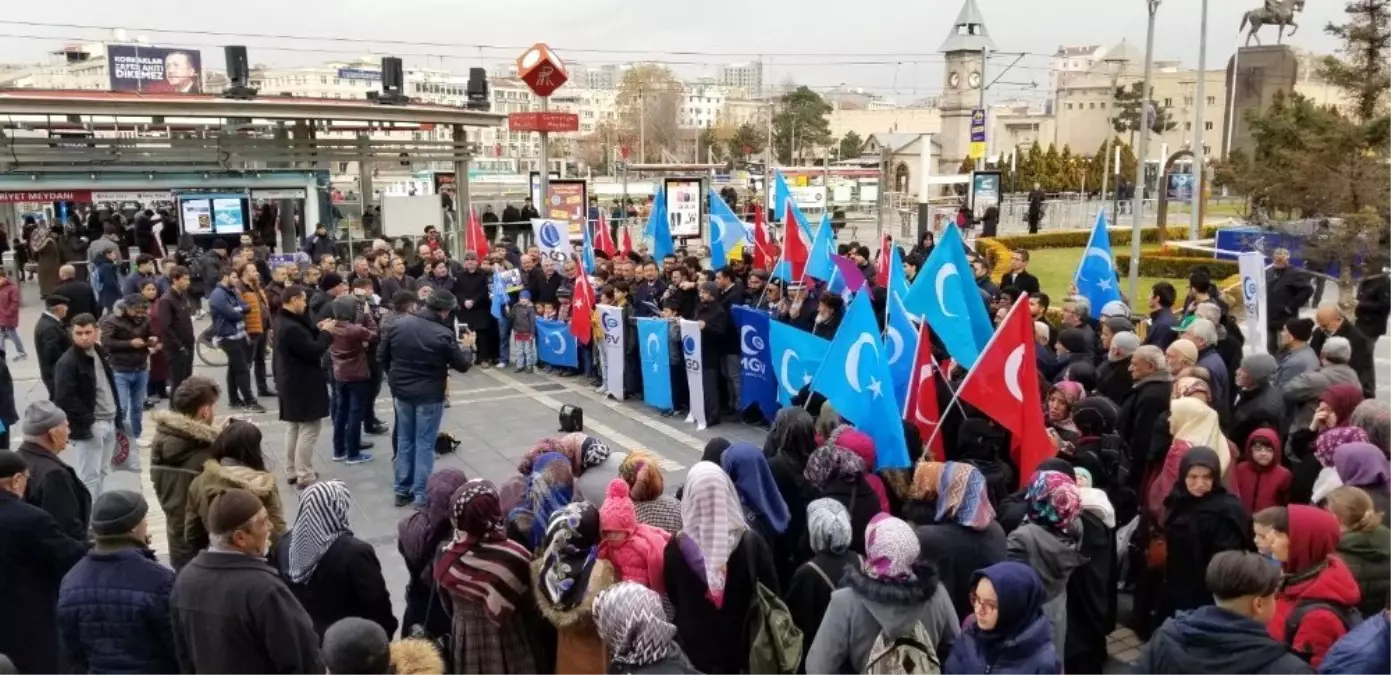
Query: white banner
(552, 237)
(142, 197)
(684, 207)
(690, 351)
(1252, 267)
(611, 319)
(281, 193)
(808, 197)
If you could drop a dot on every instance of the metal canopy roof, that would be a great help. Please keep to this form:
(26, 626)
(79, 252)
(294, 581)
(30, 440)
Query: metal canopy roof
(111, 103)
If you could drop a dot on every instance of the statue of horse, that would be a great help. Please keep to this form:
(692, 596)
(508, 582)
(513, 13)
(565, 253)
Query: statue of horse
(1274, 13)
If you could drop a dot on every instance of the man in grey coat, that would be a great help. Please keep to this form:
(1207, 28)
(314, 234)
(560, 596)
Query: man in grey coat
(1295, 356)
(1302, 393)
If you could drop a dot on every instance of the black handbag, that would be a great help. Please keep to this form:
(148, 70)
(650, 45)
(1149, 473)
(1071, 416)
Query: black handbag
(444, 644)
(571, 419)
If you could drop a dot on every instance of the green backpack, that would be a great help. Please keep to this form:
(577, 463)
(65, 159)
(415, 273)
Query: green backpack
(776, 644)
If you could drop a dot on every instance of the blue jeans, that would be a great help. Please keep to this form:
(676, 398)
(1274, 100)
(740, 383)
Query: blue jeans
(349, 401)
(11, 334)
(417, 424)
(504, 334)
(130, 390)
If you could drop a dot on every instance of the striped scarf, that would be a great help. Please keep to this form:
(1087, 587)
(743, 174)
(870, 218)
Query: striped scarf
(481, 564)
(321, 520)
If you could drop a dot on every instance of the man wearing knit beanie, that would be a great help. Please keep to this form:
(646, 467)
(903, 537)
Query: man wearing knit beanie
(1258, 402)
(1295, 355)
(53, 485)
(356, 646)
(231, 611)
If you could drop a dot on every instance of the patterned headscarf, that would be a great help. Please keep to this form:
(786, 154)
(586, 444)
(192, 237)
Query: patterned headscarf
(631, 622)
(547, 446)
(828, 526)
(549, 488)
(891, 548)
(481, 564)
(830, 462)
(1329, 440)
(568, 553)
(593, 452)
(927, 475)
(713, 522)
(322, 519)
(1053, 500)
(962, 497)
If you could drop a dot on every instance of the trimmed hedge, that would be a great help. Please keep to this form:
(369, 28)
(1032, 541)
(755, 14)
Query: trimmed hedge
(1156, 264)
(1078, 238)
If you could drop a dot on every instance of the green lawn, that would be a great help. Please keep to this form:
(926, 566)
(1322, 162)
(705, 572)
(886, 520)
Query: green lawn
(1054, 268)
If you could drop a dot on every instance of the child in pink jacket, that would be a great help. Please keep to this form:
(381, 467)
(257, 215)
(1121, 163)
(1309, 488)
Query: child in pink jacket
(634, 549)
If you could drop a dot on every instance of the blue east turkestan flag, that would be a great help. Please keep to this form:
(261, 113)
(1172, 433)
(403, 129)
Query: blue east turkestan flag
(900, 339)
(727, 232)
(656, 362)
(822, 248)
(795, 355)
(499, 292)
(1096, 272)
(660, 229)
(587, 251)
(781, 195)
(898, 282)
(555, 345)
(945, 293)
(855, 379)
(757, 384)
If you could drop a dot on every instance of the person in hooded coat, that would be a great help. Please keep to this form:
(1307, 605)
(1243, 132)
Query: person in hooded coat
(235, 461)
(1264, 483)
(566, 577)
(809, 592)
(1365, 546)
(1362, 465)
(1202, 519)
(1050, 541)
(182, 442)
(791, 441)
(1228, 637)
(712, 570)
(549, 487)
(1091, 588)
(764, 510)
(891, 595)
(1317, 584)
(332, 573)
(1008, 631)
(646, 485)
(635, 550)
(965, 536)
(838, 473)
(636, 634)
(418, 538)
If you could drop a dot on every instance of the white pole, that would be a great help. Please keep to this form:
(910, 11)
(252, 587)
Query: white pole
(1138, 203)
(924, 185)
(1199, 154)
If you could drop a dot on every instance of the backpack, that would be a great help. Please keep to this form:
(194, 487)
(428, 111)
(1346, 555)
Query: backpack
(776, 644)
(909, 653)
(1346, 614)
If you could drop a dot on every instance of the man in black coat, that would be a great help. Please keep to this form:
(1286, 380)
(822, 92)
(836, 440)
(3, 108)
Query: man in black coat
(85, 388)
(1331, 322)
(34, 556)
(1373, 306)
(1162, 319)
(1286, 290)
(231, 611)
(53, 486)
(1018, 275)
(1258, 402)
(81, 298)
(300, 346)
(51, 339)
(716, 327)
(176, 326)
(1148, 399)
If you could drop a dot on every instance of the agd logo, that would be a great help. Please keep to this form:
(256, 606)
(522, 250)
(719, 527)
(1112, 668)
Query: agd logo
(549, 234)
(688, 345)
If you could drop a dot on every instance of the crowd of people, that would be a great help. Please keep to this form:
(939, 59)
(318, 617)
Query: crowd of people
(1241, 498)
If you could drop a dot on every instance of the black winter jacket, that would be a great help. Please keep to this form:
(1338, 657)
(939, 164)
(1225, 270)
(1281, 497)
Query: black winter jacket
(34, 556)
(75, 379)
(1255, 408)
(713, 637)
(113, 612)
(1285, 292)
(1373, 305)
(55, 488)
(81, 298)
(175, 323)
(415, 353)
(347, 582)
(51, 342)
(118, 329)
(299, 374)
(957, 552)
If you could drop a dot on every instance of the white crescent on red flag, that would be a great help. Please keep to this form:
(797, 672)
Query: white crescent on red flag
(921, 408)
(581, 309)
(603, 239)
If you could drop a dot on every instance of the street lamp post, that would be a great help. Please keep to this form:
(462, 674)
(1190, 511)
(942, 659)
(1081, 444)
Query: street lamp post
(1138, 201)
(1114, 65)
(1199, 151)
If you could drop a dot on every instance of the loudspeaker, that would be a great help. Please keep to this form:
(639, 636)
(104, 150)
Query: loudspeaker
(238, 69)
(393, 79)
(571, 419)
(477, 90)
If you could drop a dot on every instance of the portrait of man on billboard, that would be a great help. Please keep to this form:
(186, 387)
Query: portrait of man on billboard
(180, 75)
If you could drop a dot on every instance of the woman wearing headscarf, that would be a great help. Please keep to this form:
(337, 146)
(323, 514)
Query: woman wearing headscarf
(1050, 542)
(485, 575)
(889, 596)
(566, 577)
(645, 486)
(712, 570)
(635, 550)
(862, 445)
(331, 572)
(597, 465)
(920, 507)
(1365, 545)
(1194, 425)
(809, 592)
(1061, 398)
(1013, 511)
(418, 538)
(898, 483)
(838, 473)
(1201, 520)
(964, 536)
(1312, 447)
(764, 510)
(549, 488)
(982, 443)
(1008, 631)
(514, 489)
(791, 441)
(1361, 465)
(1317, 587)
(636, 633)
(1374, 418)
(1091, 589)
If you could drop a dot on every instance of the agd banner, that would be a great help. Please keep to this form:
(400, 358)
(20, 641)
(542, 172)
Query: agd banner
(551, 238)
(656, 362)
(757, 384)
(695, 372)
(1252, 267)
(611, 319)
(154, 70)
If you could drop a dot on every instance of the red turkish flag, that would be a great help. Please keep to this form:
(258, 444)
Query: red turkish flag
(603, 240)
(627, 246)
(881, 273)
(1004, 385)
(794, 250)
(922, 409)
(582, 308)
(475, 239)
(762, 247)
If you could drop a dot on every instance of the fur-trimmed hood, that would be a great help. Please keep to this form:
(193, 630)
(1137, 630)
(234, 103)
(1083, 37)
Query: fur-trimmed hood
(259, 483)
(414, 656)
(895, 604)
(179, 437)
(601, 576)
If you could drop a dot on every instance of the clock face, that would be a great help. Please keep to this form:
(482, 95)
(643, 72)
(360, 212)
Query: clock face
(954, 80)
(974, 80)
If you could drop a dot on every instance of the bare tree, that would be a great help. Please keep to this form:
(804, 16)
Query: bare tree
(649, 98)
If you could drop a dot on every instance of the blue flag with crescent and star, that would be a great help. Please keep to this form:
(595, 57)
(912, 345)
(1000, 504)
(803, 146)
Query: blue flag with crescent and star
(855, 379)
(819, 265)
(660, 229)
(795, 355)
(757, 385)
(900, 338)
(587, 251)
(1096, 273)
(945, 293)
(898, 281)
(499, 293)
(656, 362)
(555, 345)
(782, 193)
(727, 232)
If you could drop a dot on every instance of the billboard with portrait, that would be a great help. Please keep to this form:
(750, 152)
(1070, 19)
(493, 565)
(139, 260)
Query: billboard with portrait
(154, 70)
(684, 206)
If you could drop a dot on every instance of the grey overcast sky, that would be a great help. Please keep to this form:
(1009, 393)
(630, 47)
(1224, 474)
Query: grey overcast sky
(887, 47)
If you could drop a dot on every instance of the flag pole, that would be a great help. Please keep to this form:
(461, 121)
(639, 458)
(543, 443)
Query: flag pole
(956, 394)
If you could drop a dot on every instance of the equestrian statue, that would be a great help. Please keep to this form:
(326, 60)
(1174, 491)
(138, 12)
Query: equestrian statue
(1274, 13)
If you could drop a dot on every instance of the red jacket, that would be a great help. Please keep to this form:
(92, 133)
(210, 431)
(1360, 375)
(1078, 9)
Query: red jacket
(1261, 487)
(1313, 537)
(9, 305)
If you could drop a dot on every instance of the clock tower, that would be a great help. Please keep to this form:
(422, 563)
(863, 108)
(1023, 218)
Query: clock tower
(965, 51)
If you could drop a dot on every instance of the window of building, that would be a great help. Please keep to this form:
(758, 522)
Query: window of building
(1207, 126)
(1069, 106)
(1188, 100)
(323, 79)
(1212, 100)
(1103, 105)
(1187, 126)
(1168, 103)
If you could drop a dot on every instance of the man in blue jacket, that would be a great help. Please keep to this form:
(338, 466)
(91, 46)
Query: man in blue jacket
(416, 354)
(229, 332)
(113, 606)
